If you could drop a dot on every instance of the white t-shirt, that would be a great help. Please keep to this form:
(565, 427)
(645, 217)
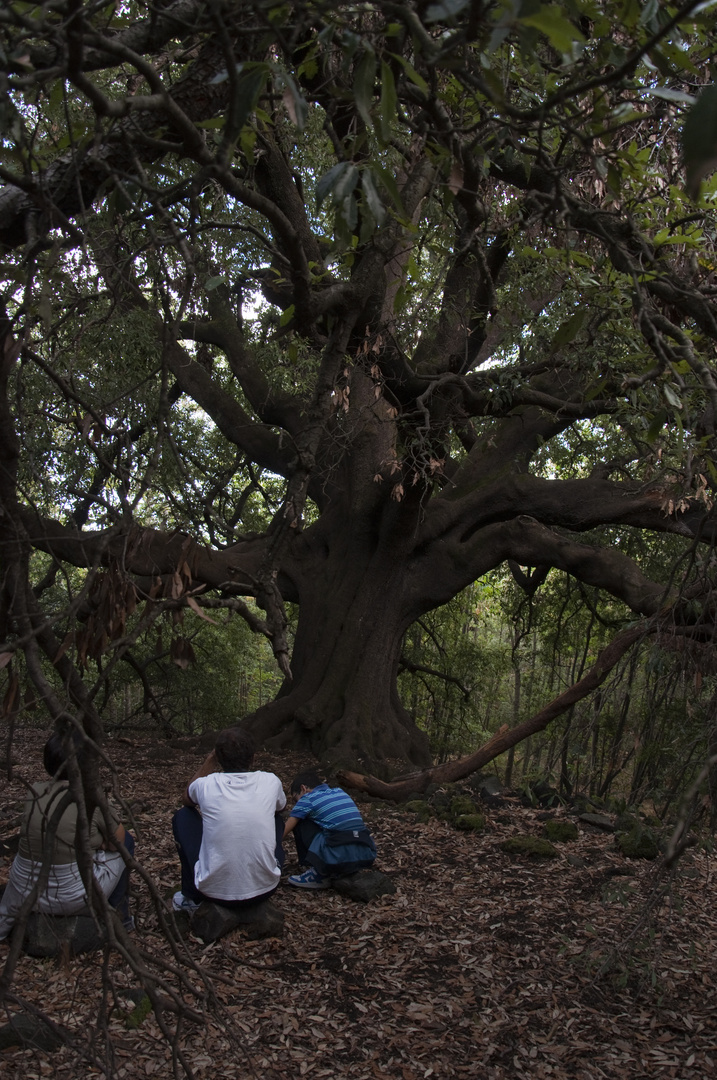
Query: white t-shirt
(237, 859)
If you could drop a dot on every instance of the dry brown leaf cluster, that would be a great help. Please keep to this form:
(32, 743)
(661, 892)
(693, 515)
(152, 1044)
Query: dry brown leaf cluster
(481, 964)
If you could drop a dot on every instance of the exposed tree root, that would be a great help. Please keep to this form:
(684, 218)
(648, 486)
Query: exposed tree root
(450, 771)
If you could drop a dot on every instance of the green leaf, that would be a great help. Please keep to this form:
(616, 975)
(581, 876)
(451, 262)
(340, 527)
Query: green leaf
(363, 85)
(411, 72)
(495, 87)
(668, 94)
(387, 107)
(56, 95)
(375, 205)
(657, 425)
(346, 183)
(246, 94)
(699, 140)
(649, 14)
(287, 315)
(671, 396)
(247, 142)
(712, 469)
(559, 31)
(349, 211)
(329, 181)
(614, 179)
(213, 282)
(389, 182)
(676, 58)
(295, 101)
(568, 330)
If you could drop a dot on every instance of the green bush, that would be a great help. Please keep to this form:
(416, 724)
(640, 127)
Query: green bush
(462, 805)
(639, 843)
(470, 822)
(560, 831)
(418, 806)
(535, 846)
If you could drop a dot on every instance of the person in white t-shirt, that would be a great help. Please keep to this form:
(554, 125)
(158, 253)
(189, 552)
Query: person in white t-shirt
(229, 830)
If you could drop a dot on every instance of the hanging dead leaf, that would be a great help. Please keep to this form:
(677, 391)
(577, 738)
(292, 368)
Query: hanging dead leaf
(182, 653)
(198, 611)
(176, 588)
(69, 638)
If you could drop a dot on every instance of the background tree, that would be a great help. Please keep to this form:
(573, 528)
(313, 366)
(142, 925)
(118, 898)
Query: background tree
(378, 271)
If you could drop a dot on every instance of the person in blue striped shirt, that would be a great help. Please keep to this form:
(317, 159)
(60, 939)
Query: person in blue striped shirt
(330, 834)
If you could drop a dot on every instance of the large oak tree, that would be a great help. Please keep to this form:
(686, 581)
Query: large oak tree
(382, 264)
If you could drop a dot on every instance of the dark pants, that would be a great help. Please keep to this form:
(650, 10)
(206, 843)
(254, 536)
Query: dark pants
(342, 852)
(304, 832)
(187, 827)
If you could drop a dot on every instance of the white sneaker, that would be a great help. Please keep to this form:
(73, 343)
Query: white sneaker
(180, 902)
(310, 879)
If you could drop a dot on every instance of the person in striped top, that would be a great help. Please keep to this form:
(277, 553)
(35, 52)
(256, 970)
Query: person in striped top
(330, 834)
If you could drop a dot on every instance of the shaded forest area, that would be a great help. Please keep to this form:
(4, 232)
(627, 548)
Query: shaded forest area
(313, 318)
(357, 381)
(587, 965)
(488, 659)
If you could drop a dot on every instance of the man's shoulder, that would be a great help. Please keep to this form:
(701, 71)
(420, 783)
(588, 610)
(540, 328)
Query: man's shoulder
(226, 780)
(269, 781)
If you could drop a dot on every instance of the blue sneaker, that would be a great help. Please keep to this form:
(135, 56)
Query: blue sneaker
(310, 879)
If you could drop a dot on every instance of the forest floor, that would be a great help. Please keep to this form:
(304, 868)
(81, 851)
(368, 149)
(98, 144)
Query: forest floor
(481, 964)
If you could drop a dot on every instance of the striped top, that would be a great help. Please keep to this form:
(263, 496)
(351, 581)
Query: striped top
(329, 808)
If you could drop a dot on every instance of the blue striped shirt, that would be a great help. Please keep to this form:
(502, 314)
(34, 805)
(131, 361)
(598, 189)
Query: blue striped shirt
(329, 808)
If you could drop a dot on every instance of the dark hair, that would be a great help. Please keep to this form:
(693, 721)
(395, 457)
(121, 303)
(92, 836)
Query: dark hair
(305, 779)
(57, 749)
(234, 749)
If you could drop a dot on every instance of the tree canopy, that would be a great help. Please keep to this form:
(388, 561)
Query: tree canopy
(346, 306)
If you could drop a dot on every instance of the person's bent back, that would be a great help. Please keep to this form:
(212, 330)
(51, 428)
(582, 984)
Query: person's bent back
(227, 833)
(330, 834)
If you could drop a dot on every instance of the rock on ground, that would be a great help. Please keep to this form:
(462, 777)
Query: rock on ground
(50, 935)
(364, 886)
(213, 921)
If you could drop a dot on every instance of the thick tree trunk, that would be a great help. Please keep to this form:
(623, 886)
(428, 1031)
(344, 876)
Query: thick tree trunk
(342, 703)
